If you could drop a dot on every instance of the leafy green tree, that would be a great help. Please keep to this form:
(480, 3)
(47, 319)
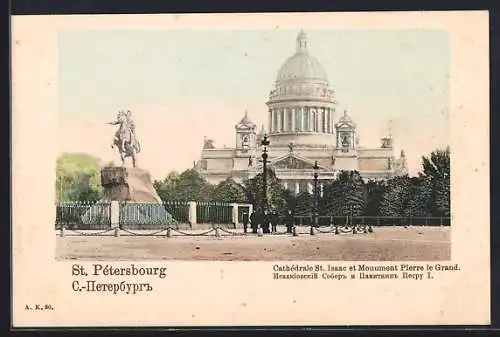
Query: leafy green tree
(436, 168)
(78, 177)
(344, 195)
(395, 197)
(228, 191)
(275, 191)
(374, 193)
(167, 188)
(417, 203)
(304, 204)
(187, 186)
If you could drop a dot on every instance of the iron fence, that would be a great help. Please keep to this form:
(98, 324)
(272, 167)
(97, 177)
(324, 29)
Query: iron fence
(214, 212)
(178, 209)
(373, 220)
(83, 215)
(144, 216)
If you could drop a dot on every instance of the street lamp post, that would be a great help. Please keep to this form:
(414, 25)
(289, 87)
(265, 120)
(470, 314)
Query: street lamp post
(265, 143)
(315, 208)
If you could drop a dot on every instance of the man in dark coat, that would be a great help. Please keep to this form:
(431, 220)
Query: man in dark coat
(266, 218)
(289, 221)
(274, 221)
(253, 222)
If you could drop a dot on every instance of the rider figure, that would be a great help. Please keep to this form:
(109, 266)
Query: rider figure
(119, 121)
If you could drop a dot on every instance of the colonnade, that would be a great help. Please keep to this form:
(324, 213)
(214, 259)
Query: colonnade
(301, 119)
(302, 185)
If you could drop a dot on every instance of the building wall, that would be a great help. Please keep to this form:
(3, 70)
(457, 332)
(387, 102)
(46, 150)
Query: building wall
(372, 164)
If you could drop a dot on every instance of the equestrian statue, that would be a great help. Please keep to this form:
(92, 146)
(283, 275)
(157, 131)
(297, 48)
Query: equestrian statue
(125, 139)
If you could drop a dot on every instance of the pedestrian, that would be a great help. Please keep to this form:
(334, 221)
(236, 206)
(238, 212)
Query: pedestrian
(289, 221)
(253, 222)
(274, 221)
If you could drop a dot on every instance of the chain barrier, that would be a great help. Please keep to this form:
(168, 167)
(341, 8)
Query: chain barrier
(331, 230)
(232, 233)
(193, 234)
(143, 234)
(89, 234)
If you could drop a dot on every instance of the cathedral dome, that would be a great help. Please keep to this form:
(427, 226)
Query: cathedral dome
(301, 66)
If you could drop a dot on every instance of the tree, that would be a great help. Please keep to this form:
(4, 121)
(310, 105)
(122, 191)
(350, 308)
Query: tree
(228, 191)
(419, 194)
(395, 197)
(187, 186)
(436, 168)
(78, 177)
(304, 204)
(344, 195)
(275, 192)
(167, 188)
(374, 193)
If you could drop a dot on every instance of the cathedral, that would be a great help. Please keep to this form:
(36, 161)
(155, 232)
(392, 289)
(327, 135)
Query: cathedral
(302, 130)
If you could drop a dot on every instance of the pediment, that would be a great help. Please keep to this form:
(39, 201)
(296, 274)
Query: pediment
(293, 162)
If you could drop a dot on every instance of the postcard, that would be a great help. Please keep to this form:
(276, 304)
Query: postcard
(284, 169)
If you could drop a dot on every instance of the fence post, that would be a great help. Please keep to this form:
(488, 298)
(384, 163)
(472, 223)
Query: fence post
(62, 230)
(192, 212)
(234, 214)
(250, 209)
(115, 214)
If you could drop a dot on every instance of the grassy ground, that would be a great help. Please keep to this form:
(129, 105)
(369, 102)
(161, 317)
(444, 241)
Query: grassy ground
(384, 244)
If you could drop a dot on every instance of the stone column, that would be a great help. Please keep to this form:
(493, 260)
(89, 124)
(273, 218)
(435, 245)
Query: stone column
(301, 119)
(321, 190)
(297, 188)
(278, 118)
(293, 119)
(270, 120)
(324, 118)
(285, 119)
(192, 212)
(285, 185)
(310, 188)
(309, 116)
(273, 118)
(115, 214)
(318, 120)
(234, 214)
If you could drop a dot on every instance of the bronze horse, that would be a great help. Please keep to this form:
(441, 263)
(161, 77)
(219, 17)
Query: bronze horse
(125, 140)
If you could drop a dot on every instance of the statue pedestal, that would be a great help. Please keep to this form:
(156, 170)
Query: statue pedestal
(128, 184)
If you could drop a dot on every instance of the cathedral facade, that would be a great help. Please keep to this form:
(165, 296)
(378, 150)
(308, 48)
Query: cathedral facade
(302, 130)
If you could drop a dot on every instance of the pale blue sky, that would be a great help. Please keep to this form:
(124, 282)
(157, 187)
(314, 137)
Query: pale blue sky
(182, 85)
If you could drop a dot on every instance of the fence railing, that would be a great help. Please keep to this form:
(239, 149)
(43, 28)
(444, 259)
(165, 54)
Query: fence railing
(132, 215)
(214, 212)
(83, 215)
(99, 215)
(373, 220)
